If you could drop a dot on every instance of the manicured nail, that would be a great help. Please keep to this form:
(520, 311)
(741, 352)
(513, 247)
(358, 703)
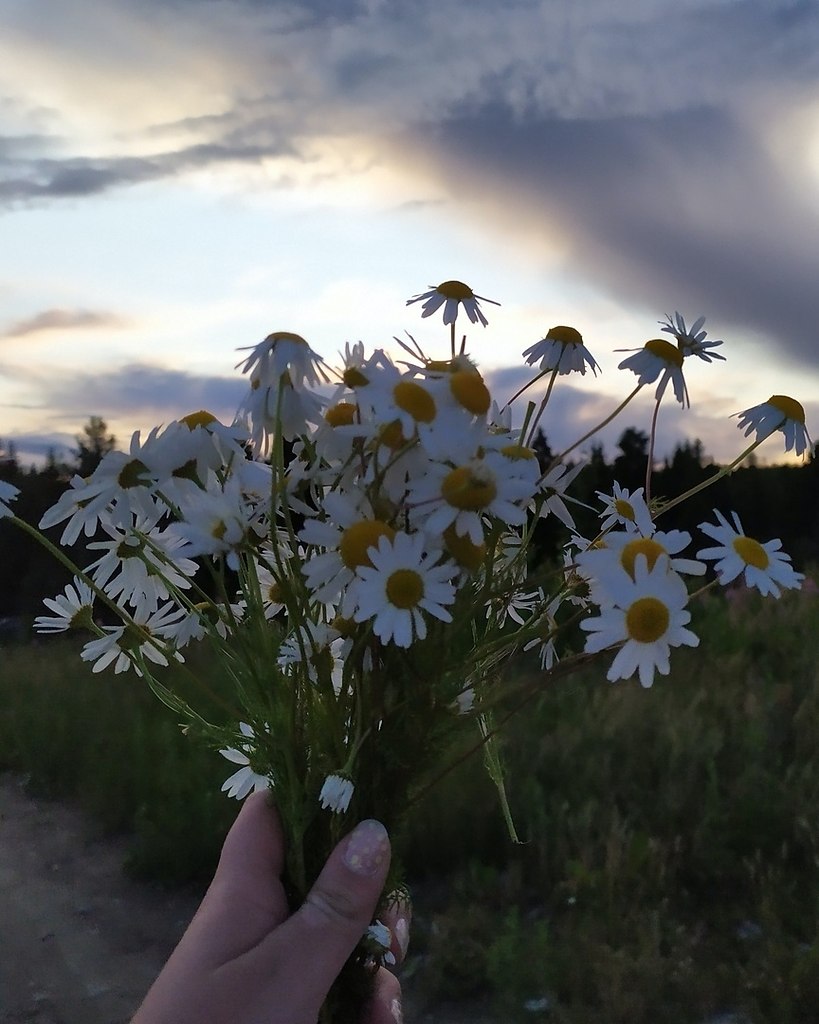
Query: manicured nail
(396, 1011)
(401, 932)
(367, 847)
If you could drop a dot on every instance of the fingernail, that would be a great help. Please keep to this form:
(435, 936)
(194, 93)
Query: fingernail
(367, 847)
(396, 1011)
(401, 932)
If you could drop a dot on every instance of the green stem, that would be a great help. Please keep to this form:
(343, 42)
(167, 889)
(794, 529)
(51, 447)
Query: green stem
(650, 459)
(594, 430)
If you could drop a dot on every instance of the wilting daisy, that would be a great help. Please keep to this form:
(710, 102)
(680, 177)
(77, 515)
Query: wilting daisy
(336, 794)
(625, 508)
(659, 358)
(563, 350)
(283, 352)
(648, 618)
(245, 780)
(779, 413)
(764, 566)
(73, 609)
(7, 493)
(403, 582)
(691, 340)
(451, 295)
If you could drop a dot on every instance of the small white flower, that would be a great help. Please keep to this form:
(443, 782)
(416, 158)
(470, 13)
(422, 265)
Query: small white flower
(691, 340)
(336, 794)
(764, 566)
(659, 358)
(563, 350)
(74, 609)
(7, 493)
(648, 618)
(779, 413)
(120, 644)
(245, 780)
(626, 509)
(451, 295)
(283, 352)
(403, 582)
(379, 937)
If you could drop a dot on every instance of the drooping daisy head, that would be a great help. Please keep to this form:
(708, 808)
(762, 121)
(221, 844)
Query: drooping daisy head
(780, 412)
(691, 340)
(563, 350)
(659, 359)
(7, 493)
(283, 352)
(451, 295)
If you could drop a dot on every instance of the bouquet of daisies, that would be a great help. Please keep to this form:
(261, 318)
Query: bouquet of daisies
(356, 551)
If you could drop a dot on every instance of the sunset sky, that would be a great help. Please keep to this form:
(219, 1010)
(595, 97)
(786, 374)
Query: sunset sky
(178, 178)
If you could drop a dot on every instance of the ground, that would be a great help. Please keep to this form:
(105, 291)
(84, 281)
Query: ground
(82, 942)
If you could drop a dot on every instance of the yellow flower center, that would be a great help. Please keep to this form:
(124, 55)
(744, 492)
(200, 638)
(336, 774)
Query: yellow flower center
(468, 555)
(565, 335)
(392, 436)
(415, 400)
(789, 407)
(133, 474)
(469, 488)
(341, 415)
(642, 546)
(470, 391)
(294, 339)
(405, 588)
(665, 350)
(518, 452)
(439, 365)
(647, 620)
(751, 552)
(625, 510)
(455, 290)
(203, 418)
(219, 529)
(357, 539)
(274, 593)
(354, 378)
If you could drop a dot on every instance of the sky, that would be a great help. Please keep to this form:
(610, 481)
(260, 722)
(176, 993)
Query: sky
(179, 178)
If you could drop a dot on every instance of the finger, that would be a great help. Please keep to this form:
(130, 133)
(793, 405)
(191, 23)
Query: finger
(385, 1005)
(317, 940)
(246, 899)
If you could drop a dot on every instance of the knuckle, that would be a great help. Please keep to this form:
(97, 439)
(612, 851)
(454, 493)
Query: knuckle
(334, 907)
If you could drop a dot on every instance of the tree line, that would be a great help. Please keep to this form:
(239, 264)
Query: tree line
(772, 501)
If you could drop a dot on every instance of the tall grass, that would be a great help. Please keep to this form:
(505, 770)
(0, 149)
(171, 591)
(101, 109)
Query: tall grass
(669, 869)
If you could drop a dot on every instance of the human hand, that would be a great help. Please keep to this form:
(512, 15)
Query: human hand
(245, 960)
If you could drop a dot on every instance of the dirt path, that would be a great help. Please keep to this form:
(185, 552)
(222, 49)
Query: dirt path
(80, 943)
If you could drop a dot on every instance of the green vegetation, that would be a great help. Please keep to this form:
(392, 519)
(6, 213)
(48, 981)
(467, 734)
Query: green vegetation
(670, 864)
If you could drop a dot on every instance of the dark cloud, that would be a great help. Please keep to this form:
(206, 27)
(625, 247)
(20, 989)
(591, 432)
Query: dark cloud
(63, 319)
(684, 210)
(142, 392)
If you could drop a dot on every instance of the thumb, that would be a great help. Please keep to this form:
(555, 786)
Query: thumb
(323, 932)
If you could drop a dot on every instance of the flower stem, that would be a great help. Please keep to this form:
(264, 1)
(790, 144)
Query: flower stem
(652, 439)
(594, 430)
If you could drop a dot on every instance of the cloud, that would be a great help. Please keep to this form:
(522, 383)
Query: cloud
(142, 393)
(63, 320)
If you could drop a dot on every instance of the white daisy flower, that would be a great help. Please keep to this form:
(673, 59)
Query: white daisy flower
(626, 508)
(563, 350)
(283, 352)
(764, 566)
(336, 794)
(659, 358)
(779, 413)
(379, 938)
(218, 522)
(648, 619)
(315, 644)
(119, 645)
(451, 295)
(404, 581)
(73, 608)
(604, 566)
(245, 781)
(7, 493)
(554, 485)
(284, 408)
(463, 495)
(691, 340)
(547, 653)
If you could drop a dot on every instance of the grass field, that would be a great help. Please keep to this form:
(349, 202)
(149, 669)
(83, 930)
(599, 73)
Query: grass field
(669, 869)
